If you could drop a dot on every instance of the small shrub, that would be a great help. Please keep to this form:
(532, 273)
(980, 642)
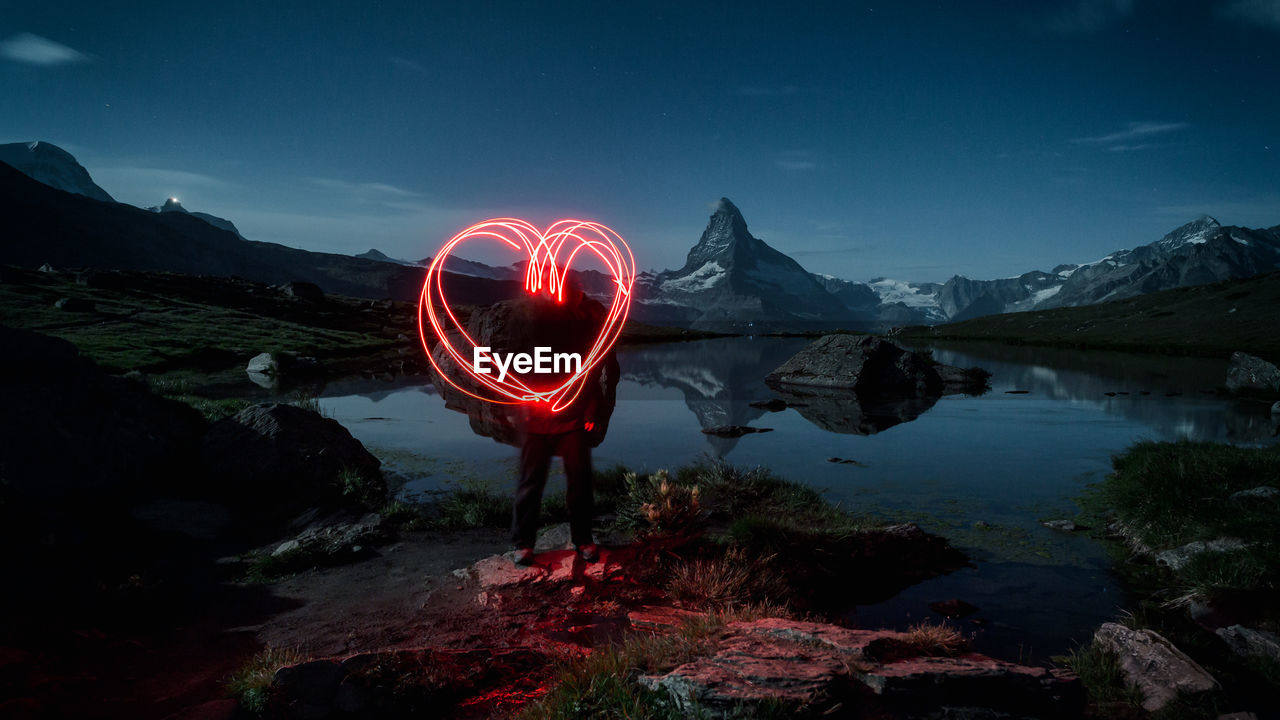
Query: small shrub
(251, 684)
(661, 505)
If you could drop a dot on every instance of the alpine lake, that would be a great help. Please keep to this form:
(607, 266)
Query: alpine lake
(985, 471)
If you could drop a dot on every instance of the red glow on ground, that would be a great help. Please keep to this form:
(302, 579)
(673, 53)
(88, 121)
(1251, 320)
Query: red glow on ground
(550, 255)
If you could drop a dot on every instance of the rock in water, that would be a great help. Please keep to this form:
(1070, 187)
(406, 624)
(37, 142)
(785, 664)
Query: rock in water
(872, 366)
(275, 458)
(1152, 663)
(263, 363)
(1249, 373)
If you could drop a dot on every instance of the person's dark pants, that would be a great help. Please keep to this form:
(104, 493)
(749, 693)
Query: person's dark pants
(536, 452)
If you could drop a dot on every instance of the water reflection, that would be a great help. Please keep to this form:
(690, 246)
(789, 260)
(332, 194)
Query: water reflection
(843, 412)
(719, 378)
(1175, 396)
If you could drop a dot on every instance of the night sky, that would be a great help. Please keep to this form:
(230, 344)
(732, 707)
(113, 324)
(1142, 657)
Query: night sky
(916, 140)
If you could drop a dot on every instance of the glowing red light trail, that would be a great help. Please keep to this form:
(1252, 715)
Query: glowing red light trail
(545, 269)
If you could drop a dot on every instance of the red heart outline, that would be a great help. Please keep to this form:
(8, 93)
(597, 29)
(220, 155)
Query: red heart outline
(543, 250)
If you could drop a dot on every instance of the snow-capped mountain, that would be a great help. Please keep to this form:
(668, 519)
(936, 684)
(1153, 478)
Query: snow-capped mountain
(733, 280)
(52, 166)
(172, 205)
(1202, 251)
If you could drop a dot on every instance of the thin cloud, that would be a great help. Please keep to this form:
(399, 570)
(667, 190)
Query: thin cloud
(35, 50)
(166, 180)
(1255, 12)
(1132, 148)
(362, 189)
(1131, 137)
(410, 65)
(1085, 17)
(796, 160)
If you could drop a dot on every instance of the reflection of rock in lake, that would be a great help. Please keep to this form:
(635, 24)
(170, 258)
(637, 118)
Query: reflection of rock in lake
(721, 380)
(841, 411)
(862, 385)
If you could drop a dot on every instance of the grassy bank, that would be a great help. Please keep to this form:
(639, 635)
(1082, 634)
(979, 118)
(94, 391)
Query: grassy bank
(1162, 503)
(1206, 320)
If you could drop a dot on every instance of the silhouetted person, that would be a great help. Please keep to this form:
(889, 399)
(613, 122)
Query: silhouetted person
(568, 326)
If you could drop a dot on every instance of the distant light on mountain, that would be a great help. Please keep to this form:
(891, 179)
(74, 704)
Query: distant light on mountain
(173, 205)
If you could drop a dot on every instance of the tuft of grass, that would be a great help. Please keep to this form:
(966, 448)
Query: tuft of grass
(1167, 494)
(266, 568)
(935, 640)
(308, 401)
(251, 684)
(1171, 493)
(364, 489)
(473, 506)
(404, 516)
(734, 579)
(1099, 670)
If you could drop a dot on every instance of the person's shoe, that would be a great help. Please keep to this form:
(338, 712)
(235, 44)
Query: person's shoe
(523, 557)
(589, 553)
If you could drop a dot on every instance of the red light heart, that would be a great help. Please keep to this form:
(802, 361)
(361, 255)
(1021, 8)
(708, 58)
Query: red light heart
(546, 268)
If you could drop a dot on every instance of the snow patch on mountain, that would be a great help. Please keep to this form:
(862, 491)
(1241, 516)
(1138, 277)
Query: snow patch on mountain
(896, 291)
(704, 278)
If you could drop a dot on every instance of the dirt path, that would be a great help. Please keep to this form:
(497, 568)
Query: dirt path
(378, 603)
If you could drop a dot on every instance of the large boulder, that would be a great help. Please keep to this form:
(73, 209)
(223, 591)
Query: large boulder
(73, 435)
(1159, 669)
(278, 458)
(1251, 374)
(868, 365)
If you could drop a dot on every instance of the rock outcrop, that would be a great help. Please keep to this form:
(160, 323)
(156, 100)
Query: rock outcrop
(1249, 642)
(275, 459)
(1251, 374)
(74, 435)
(1160, 670)
(820, 668)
